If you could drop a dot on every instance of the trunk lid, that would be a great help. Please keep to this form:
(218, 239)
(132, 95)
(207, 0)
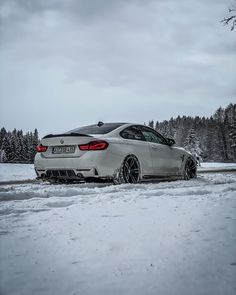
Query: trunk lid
(65, 145)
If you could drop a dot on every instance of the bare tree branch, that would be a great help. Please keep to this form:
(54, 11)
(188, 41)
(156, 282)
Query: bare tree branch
(234, 24)
(230, 19)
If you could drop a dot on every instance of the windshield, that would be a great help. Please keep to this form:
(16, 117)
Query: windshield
(96, 129)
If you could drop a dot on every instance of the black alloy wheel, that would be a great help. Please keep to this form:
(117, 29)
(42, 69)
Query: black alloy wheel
(131, 170)
(190, 170)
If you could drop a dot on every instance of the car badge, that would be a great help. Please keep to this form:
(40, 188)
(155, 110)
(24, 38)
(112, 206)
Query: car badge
(61, 141)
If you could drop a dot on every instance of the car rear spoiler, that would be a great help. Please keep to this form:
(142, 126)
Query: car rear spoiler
(66, 135)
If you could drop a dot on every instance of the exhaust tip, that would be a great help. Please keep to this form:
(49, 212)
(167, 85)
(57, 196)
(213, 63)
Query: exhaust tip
(80, 175)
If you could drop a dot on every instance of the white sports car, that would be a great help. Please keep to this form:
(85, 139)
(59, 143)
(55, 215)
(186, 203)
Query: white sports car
(118, 152)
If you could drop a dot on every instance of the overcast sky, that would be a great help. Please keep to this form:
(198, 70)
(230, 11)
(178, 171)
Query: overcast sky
(66, 63)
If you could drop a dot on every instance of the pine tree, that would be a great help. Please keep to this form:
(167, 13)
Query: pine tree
(151, 124)
(192, 143)
(3, 158)
(221, 125)
(6, 149)
(3, 133)
(35, 142)
(231, 131)
(157, 125)
(25, 149)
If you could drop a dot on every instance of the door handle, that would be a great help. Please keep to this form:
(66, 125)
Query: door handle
(154, 147)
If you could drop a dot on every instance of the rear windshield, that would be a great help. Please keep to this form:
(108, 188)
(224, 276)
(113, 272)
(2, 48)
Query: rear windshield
(95, 129)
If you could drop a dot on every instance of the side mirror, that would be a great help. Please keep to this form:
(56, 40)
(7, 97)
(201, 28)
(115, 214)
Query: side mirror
(170, 141)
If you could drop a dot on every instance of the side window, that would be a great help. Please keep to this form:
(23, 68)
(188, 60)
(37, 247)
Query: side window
(152, 136)
(132, 133)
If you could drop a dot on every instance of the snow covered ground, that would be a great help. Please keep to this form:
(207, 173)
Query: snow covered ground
(216, 166)
(16, 172)
(10, 172)
(159, 238)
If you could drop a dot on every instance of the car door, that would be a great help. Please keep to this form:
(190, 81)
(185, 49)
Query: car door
(135, 143)
(166, 160)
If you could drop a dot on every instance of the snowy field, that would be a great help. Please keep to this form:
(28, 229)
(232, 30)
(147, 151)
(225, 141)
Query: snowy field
(216, 166)
(16, 172)
(11, 172)
(159, 238)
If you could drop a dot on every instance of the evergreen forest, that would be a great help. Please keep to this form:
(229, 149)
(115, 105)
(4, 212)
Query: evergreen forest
(16, 147)
(211, 139)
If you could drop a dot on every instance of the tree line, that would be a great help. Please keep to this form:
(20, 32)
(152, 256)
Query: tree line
(212, 139)
(16, 147)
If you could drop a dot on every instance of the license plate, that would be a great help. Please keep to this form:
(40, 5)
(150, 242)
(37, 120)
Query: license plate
(63, 149)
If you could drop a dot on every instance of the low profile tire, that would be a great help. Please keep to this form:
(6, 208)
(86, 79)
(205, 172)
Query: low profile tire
(129, 171)
(190, 169)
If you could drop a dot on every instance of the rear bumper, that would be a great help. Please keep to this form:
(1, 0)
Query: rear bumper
(93, 165)
(67, 174)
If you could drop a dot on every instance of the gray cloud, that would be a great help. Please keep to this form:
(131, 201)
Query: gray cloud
(113, 60)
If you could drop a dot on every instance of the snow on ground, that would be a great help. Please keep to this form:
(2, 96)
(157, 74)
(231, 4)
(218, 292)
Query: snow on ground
(9, 172)
(16, 171)
(159, 238)
(216, 166)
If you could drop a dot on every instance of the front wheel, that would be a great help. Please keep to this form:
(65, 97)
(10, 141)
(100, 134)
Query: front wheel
(129, 171)
(190, 169)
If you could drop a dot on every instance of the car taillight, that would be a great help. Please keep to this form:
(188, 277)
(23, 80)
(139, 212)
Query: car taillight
(41, 148)
(94, 146)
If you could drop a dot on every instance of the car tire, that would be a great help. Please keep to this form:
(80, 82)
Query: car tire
(129, 171)
(190, 169)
